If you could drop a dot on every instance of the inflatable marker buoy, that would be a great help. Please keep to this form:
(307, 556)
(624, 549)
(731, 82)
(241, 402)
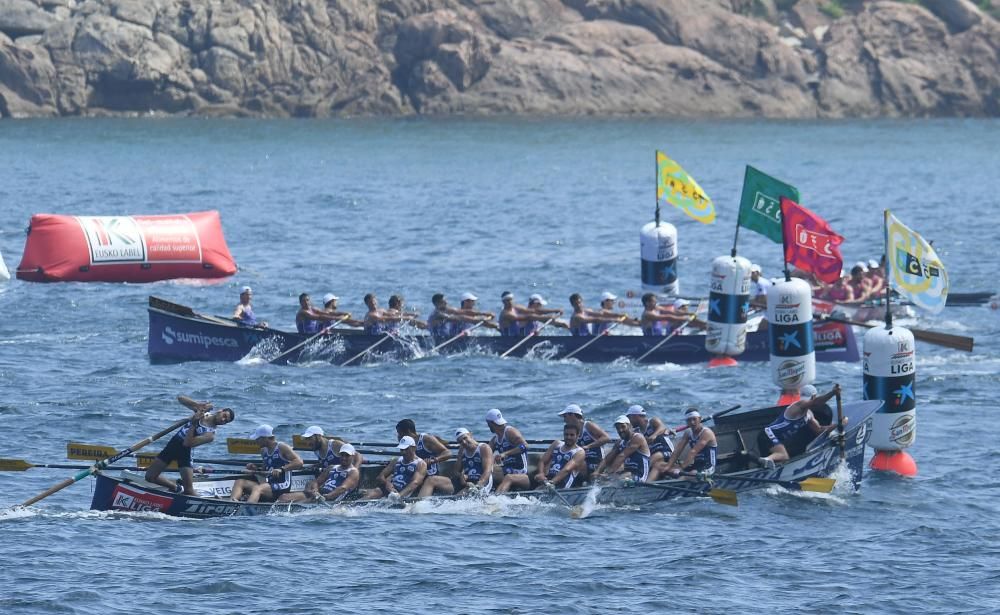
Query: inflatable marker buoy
(890, 376)
(728, 303)
(790, 332)
(658, 250)
(4, 273)
(125, 248)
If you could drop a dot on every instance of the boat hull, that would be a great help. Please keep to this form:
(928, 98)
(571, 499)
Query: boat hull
(175, 337)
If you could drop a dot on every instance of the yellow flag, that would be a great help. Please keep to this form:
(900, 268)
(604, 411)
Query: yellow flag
(913, 267)
(680, 190)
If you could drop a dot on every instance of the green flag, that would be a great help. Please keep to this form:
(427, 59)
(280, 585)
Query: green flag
(760, 205)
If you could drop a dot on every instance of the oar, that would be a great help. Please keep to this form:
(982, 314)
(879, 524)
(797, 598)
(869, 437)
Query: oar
(721, 496)
(596, 337)
(528, 337)
(712, 417)
(20, 465)
(309, 339)
(958, 342)
(105, 463)
(813, 483)
(458, 336)
(574, 511)
(385, 338)
(668, 338)
(840, 427)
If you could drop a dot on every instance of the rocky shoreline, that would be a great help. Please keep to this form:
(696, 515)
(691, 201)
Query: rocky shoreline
(672, 58)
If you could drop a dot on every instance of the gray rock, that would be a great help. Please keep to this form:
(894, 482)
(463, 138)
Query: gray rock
(23, 17)
(960, 15)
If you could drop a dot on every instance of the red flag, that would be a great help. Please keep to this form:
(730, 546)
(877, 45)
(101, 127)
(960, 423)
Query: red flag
(810, 243)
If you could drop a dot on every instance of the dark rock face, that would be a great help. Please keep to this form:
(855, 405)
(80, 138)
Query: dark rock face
(313, 58)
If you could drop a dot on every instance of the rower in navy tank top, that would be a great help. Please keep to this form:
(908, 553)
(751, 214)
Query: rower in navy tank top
(583, 330)
(403, 472)
(427, 455)
(513, 464)
(704, 461)
(594, 455)
(561, 457)
(274, 460)
(637, 463)
(338, 475)
(784, 428)
(656, 328)
(438, 325)
(472, 465)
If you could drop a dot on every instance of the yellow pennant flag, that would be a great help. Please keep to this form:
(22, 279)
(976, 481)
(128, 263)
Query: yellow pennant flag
(680, 190)
(913, 267)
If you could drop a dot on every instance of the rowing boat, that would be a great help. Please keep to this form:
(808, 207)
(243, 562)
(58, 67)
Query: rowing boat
(177, 333)
(735, 433)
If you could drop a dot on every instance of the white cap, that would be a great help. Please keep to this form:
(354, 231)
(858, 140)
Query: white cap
(246, 289)
(692, 413)
(572, 409)
(606, 296)
(262, 431)
(494, 416)
(873, 264)
(635, 409)
(347, 449)
(461, 431)
(861, 264)
(536, 297)
(679, 303)
(507, 295)
(623, 420)
(808, 391)
(328, 297)
(313, 430)
(755, 267)
(406, 442)
(469, 297)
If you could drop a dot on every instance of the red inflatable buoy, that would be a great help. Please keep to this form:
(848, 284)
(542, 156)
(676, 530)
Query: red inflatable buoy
(899, 462)
(788, 397)
(125, 248)
(722, 361)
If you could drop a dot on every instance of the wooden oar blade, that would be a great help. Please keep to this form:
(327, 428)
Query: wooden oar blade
(817, 484)
(89, 452)
(242, 446)
(958, 342)
(14, 465)
(724, 496)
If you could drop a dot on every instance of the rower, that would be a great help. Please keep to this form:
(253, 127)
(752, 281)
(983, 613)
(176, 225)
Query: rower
(562, 463)
(330, 309)
(475, 467)
(657, 319)
(510, 316)
(200, 429)
(376, 320)
(433, 451)
(591, 438)
(859, 285)
(839, 292)
(402, 477)
(630, 457)
(468, 308)
(694, 452)
(607, 309)
(510, 452)
(309, 320)
(443, 320)
(397, 312)
(782, 437)
(339, 482)
(328, 452)
(875, 277)
(587, 323)
(243, 314)
(279, 462)
(759, 286)
(654, 430)
(536, 305)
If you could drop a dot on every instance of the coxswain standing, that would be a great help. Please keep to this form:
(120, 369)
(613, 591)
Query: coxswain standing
(243, 314)
(591, 437)
(510, 452)
(630, 457)
(402, 477)
(279, 463)
(199, 430)
(784, 430)
(694, 451)
(563, 462)
(475, 464)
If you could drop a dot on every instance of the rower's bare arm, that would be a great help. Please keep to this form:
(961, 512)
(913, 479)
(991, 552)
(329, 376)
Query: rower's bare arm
(487, 455)
(416, 481)
(600, 436)
(543, 463)
(441, 452)
(195, 405)
(294, 461)
(204, 438)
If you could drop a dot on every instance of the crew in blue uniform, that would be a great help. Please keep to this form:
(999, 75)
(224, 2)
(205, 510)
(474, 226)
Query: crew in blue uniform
(510, 451)
(591, 439)
(655, 431)
(340, 481)
(786, 429)
(630, 457)
(279, 463)
(328, 454)
(432, 450)
(561, 464)
(243, 314)
(536, 305)
(400, 315)
(197, 431)
(402, 477)
(695, 451)
(376, 320)
(586, 322)
(309, 320)
(475, 470)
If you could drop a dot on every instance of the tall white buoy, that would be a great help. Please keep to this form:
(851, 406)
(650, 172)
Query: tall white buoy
(728, 303)
(790, 327)
(890, 376)
(658, 250)
(4, 274)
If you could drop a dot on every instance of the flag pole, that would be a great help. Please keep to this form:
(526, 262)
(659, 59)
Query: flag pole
(736, 235)
(784, 243)
(888, 279)
(656, 185)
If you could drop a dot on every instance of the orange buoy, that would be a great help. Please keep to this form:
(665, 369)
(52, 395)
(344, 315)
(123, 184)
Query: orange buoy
(899, 462)
(788, 398)
(722, 361)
